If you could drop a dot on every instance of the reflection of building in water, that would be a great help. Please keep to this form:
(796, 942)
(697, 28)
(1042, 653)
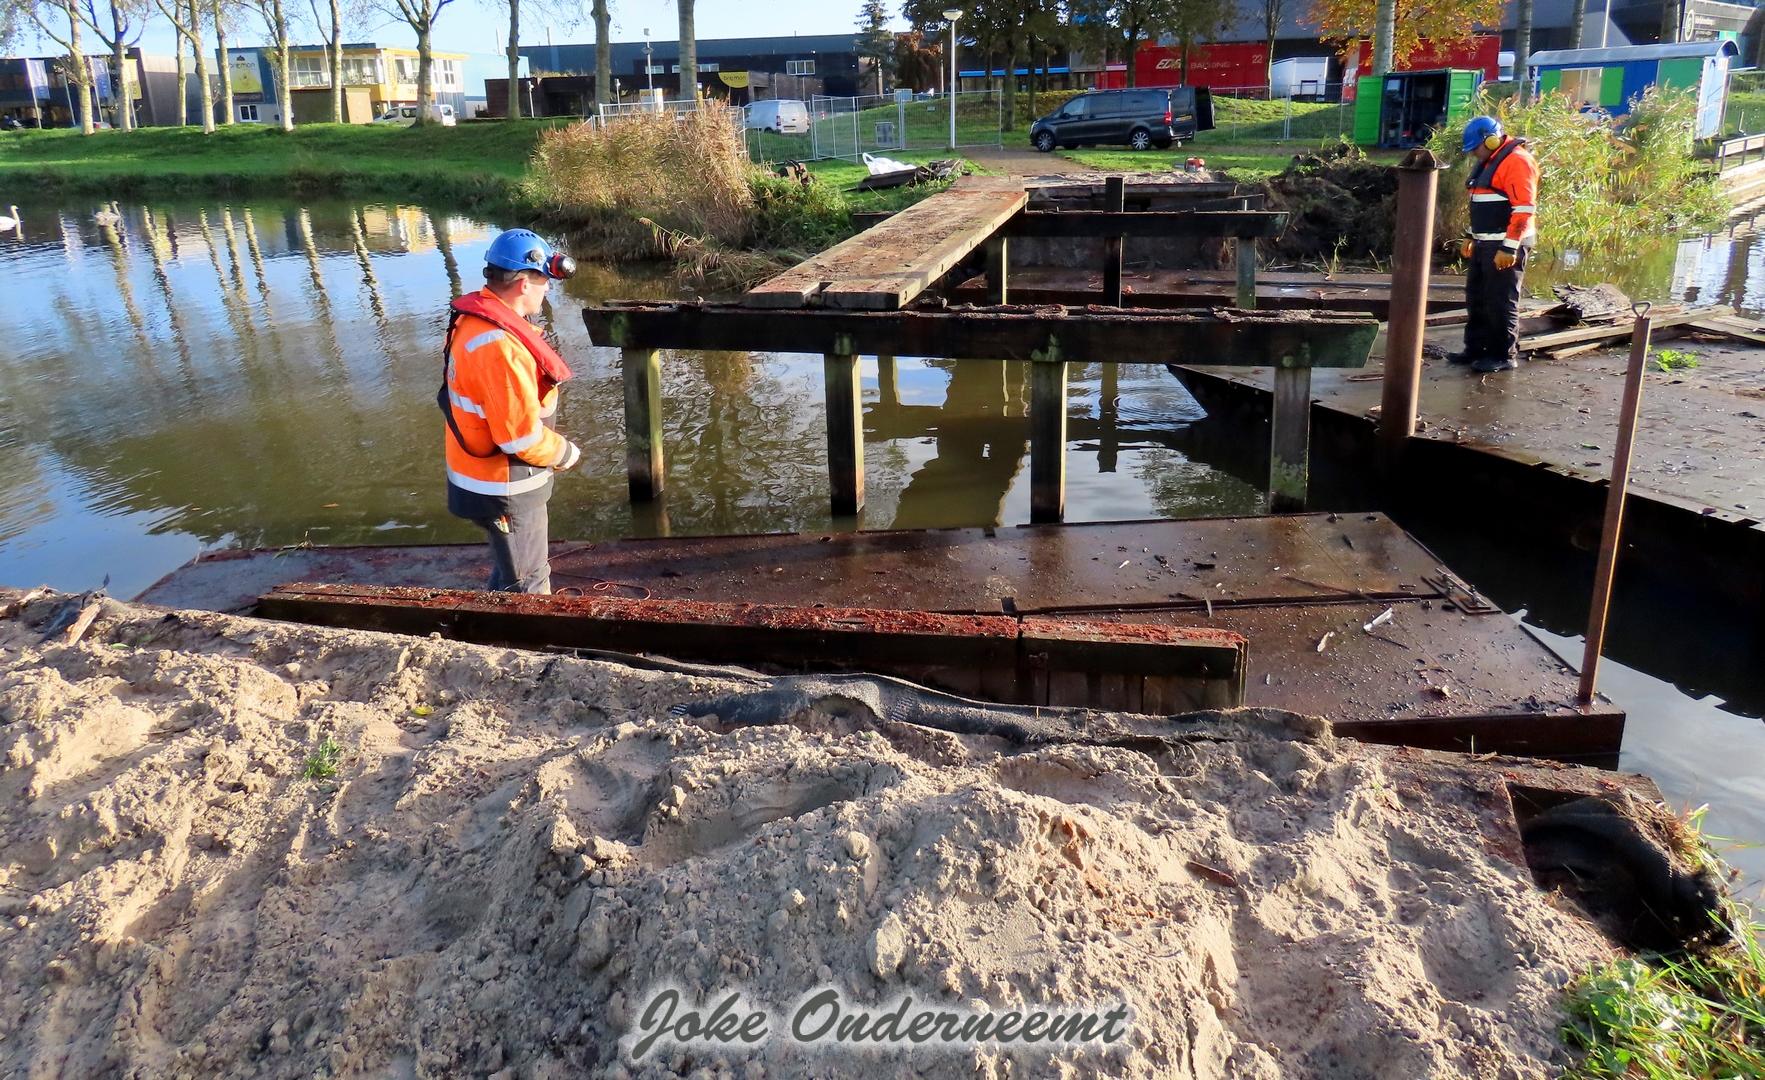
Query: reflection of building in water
(411, 229)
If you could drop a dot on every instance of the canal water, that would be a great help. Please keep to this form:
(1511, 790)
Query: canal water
(201, 376)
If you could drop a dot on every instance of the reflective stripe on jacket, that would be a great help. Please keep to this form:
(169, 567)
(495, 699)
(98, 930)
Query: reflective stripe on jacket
(1504, 196)
(493, 388)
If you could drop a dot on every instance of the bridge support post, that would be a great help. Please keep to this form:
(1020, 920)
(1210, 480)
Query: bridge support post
(1047, 441)
(642, 372)
(845, 433)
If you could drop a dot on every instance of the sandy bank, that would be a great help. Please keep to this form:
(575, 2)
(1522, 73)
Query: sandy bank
(516, 848)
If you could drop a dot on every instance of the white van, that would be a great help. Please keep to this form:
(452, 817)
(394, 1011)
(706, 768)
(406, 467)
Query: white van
(406, 115)
(787, 116)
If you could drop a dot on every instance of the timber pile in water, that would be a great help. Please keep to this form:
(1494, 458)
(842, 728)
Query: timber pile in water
(233, 847)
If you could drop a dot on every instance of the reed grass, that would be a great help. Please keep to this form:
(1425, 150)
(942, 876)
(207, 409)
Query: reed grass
(1604, 182)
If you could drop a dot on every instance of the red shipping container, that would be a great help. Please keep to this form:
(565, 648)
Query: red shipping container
(1222, 65)
(1480, 53)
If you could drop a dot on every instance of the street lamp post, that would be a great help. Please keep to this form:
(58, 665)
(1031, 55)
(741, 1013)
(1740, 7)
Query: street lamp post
(952, 14)
(649, 80)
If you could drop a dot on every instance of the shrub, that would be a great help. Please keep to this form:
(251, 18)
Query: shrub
(1603, 181)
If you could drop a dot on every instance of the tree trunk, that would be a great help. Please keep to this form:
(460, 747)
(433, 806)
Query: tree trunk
(1522, 48)
(77, 60)
(425, 73)
(1384, 29)
(1010, 84)
(1577, 16)
(284, 62)
(183, 84)
(1672, 21)
(220, 44)
(205, 93)
(1031, 107)
(689, 53)
(514, 59)
(119, 83)
(1133, 47)
(603, 52)
(336, 58)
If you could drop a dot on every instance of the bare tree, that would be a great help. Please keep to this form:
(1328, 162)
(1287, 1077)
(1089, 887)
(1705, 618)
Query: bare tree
(514, 94)
(333, 54)
(275, 17)
(1523, 48)
(421, 16)
(1272, 10)
(689, 52)
(218, 12)
(187, 21)
(118, 25)
(1577, 16)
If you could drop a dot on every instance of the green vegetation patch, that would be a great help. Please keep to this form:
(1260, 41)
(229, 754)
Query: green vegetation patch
(321, 764)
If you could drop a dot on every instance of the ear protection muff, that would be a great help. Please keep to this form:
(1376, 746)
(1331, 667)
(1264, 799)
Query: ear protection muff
(1493, 142)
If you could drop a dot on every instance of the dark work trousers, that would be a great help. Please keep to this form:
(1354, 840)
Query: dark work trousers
(520, 559)
(1492, 299)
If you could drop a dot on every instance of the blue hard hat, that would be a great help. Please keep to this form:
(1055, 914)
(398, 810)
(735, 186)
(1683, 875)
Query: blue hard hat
(1480, 128)
(523, 249)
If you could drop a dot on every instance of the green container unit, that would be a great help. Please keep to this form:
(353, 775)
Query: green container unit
(1403, 108)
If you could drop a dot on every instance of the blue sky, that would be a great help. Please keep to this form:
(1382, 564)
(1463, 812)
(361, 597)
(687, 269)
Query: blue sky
(476, 27)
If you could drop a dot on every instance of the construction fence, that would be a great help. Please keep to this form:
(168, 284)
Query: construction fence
(1250, 114)
(850, 127)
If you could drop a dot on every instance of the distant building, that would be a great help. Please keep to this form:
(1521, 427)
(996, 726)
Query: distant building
(36, 91)
(375, 78)
(738, 70)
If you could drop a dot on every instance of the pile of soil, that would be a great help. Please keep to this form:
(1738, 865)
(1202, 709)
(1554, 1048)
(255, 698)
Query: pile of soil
(517, 847)
(1340, 205)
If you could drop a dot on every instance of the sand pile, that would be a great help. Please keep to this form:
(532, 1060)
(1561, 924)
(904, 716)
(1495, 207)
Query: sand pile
(518, 849)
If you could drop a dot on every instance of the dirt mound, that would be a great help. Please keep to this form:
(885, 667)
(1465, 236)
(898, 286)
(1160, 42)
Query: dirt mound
(1340, 205)
(515, 849)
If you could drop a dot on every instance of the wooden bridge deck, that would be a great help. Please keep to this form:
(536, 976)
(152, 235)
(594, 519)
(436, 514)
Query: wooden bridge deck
(887, 266)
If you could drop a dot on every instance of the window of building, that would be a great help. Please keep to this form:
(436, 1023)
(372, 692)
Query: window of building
(1583, 85)
(309, 71)
(361, 70)
(450, 73)
(407, 69)
(799, 67)
(248, 114)
(702, 67)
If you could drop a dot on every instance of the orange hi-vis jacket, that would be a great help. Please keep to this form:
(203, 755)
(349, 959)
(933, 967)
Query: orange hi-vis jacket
(1504, 197)
(493, 389)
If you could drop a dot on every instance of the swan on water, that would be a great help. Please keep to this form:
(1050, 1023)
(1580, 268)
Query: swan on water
(10, 220)
(108, 216)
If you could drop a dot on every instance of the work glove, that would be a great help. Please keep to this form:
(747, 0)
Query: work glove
(1505, 259)
(1466, 247)
(572, 455)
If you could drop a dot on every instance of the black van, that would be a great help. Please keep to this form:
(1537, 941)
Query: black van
(1138, 118)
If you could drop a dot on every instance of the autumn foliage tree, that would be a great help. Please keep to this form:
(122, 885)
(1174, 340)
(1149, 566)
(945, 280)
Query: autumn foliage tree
(1437, 22)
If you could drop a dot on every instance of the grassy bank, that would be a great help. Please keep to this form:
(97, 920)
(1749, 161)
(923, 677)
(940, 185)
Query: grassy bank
(472, 164)
(493, 168)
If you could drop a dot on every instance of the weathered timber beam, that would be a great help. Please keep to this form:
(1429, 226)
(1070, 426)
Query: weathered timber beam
(1225, 338)
(1152, 223)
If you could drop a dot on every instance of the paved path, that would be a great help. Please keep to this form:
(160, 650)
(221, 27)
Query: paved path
(1022, 161)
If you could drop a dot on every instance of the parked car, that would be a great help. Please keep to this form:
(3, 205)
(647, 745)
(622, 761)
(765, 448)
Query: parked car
(1138, 118)
(785, 116)
(406, 115)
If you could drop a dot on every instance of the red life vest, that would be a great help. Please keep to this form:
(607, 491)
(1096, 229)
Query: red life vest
(552, 368)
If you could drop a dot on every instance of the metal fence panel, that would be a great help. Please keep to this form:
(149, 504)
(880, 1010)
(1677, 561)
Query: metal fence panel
(1744, 111)
(850, 127)
(1249, 115)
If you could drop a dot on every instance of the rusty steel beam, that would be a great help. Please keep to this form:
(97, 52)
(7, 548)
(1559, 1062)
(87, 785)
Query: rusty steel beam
(1226, 338)
(1022, 660)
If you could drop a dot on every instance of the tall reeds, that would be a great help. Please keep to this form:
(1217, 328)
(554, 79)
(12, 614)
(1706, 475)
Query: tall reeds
(1604, 183)
(686, 172)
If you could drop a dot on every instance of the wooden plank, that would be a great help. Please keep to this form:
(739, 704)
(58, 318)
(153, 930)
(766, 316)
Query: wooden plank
(889, 264)
(641, 371)
(1233, 339)
(1047, 442)
(845, 434)
(1149, 223)
(1725, 328)
(1290, 440)
(1245, 266)
(998, 267)
(1618, 331)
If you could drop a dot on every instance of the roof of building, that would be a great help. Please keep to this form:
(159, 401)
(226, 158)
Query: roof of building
(580, 56)
(1629, 54)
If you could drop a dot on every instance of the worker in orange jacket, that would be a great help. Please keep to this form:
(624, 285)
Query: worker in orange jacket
(499, 395)
(1504, 198)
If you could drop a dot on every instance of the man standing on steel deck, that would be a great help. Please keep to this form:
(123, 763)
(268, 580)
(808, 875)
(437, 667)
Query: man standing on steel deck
(499, 394)
(1504, 196)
